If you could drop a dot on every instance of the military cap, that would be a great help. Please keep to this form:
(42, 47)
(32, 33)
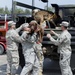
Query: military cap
(10, 23)
(64, 23)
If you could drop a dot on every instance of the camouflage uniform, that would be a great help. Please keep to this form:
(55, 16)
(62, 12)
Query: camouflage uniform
(31, 60)
(12, 40)
(64, 42)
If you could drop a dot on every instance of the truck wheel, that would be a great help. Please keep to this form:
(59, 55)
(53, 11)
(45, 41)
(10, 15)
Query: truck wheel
(1, 49)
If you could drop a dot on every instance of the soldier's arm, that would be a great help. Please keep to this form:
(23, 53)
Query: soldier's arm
(56, 34)
(58, 41)
(21, 27)
(16, 37)
(52, 32)
(18, 29)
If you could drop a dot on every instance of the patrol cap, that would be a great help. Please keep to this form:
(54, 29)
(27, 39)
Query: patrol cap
(64, 23)
(25, 25)
(10, 23)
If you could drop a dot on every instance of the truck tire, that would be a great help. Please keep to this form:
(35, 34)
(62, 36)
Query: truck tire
(1, 49)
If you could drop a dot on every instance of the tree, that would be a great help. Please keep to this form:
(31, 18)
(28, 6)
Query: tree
(1, 10)
(49, 8)
(6, 11)
(16, 11)
(27, 12)
(19, 10)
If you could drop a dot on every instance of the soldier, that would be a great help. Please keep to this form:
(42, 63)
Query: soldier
(31, 60)
(12, 40)
(63, 42)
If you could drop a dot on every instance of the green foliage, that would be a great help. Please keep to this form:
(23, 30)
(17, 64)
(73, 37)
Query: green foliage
(27, 12)
(1, 10)
(6, 11)
(17, 11)
(49, 8)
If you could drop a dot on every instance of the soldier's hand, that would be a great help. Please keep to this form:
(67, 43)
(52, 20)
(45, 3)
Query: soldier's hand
(48, 35)
(52, 32)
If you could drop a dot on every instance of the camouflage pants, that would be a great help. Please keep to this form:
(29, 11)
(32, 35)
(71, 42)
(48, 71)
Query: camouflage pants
(12, 61)
(31, 63)
(65, 63)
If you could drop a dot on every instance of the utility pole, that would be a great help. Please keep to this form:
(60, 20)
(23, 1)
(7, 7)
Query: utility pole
(47, 5)
(32, 5)
(32, 2)
(13, 10)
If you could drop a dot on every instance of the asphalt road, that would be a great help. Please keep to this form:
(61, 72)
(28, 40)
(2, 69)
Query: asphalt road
(3, 62)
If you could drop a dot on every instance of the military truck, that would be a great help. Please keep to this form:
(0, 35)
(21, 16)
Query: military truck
(66, 13)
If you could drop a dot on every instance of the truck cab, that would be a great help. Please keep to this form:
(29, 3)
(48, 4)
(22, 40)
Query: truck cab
(3, 30)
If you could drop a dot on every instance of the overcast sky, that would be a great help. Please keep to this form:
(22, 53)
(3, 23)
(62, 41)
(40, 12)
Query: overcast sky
(38, 3)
